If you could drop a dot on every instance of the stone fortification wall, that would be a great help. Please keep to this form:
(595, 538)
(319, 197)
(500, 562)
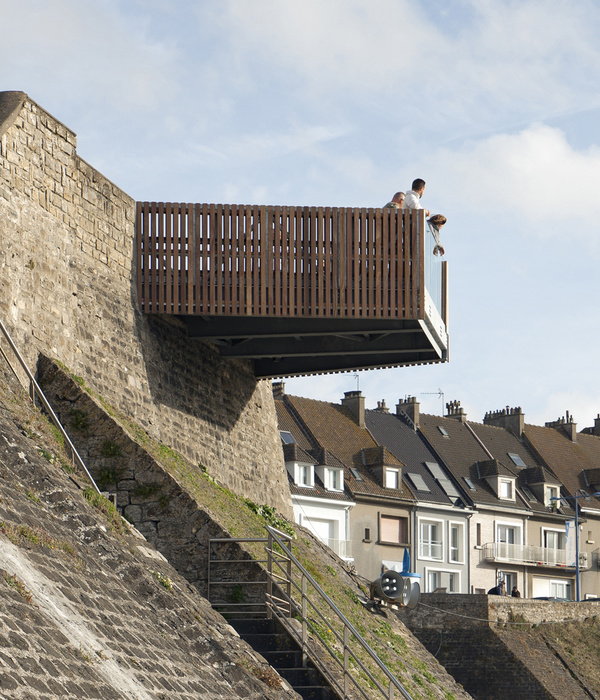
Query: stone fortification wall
(486, 643)
(146, 494)
(88, 609)
(67, 289)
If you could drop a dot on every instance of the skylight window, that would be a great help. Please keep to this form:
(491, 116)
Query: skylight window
(469, 483)
(443, 431)
(528, 493)
(438, 473)
(419, 482)
(516, 459)
(356, 474)
(286, 437)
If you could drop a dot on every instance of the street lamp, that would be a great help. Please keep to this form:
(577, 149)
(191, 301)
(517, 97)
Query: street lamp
(576, 497)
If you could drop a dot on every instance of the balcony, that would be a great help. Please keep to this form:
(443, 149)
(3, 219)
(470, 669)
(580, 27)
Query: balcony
(298, 290)
(530, 555)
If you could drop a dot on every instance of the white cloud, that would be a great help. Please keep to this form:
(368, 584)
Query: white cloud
(535, 174)
(88, 52)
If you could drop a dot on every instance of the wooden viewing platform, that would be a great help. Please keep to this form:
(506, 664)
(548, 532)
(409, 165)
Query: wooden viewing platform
(299, 290)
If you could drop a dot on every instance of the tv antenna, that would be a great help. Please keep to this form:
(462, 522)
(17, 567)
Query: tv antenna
(356, 376)
(438, 393)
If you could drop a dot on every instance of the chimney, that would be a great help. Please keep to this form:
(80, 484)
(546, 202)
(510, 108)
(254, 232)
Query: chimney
(455, 411)
(565, 425)
(410, 407)
(354, 401)
(381, 407)
(596, 427)
(511, 419)
(278, 390)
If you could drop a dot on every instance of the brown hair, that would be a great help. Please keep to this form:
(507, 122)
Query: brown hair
(437, 220)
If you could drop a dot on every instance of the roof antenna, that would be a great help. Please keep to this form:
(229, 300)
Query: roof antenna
(356, 376)
(439, 393)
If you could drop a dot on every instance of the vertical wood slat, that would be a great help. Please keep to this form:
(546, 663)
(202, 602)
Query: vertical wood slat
(325, 216)
(161, 258)
(140, 221)
(196, 232)
(187, 258)
(168, 258)
(419, 252)
(217, 260)
(404, 260)
(265, 258)
(349, 232)
(247, 260)
(277, 247)
(373, 239)
(152, 262)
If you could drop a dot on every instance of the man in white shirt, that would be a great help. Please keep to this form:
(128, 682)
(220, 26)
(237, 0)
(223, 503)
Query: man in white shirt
(413, 196)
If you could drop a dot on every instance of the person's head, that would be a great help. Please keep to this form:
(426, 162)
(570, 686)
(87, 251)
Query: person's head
(418, 186)
(514, 588)
(398, 198)
(437, 220)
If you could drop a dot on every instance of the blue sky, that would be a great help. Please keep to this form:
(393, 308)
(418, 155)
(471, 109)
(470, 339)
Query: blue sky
(495, 104)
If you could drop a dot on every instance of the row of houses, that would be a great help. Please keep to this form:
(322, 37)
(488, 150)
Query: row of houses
(472, 503)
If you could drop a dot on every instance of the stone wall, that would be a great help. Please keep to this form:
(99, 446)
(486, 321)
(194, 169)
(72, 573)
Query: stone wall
(88, 609)
(67, 289)
(146, 494)
(486, 644)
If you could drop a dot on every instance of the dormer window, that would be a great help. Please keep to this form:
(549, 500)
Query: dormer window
(334, 479)
(550, 494)
(391, 478)
(303, 474)
(506, 489)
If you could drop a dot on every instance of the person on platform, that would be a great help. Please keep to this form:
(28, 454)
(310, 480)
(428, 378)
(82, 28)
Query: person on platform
(412, 199)
(397, 201)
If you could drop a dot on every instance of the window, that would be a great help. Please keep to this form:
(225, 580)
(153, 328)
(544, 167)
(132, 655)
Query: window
(528, 494)
(334, 480)
(517, 461)
(286, 437)
(508, 540)
(553, 542)
(455, 543)
(356, 474)
(443, 431)
(552, 492)
(367, 534)
(431, 543)
(305, 475)
(510, 580)
(393, 530)
(453, 583)
(392, 478)
(479, 534)
(418, 482)
(560, 589)
(433, 581)
(469, 483)
(505, 489)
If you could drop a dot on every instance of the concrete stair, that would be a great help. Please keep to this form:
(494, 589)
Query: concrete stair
(269, 639)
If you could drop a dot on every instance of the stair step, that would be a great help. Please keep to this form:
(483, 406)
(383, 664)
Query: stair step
(283, 659)
(313, 692)
(300, 676)
(270, 642)
(261, 626)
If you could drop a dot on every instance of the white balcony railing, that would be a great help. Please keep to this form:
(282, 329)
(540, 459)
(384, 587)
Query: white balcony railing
(530, 555)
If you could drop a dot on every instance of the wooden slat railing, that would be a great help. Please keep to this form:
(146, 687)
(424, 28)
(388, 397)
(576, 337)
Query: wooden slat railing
(242, 260)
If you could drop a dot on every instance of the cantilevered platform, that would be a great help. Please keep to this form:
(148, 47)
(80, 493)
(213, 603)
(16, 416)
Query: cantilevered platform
(298, 290)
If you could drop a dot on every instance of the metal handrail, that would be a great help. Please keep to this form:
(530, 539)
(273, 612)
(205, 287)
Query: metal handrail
(283, 613)
(40, 394)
